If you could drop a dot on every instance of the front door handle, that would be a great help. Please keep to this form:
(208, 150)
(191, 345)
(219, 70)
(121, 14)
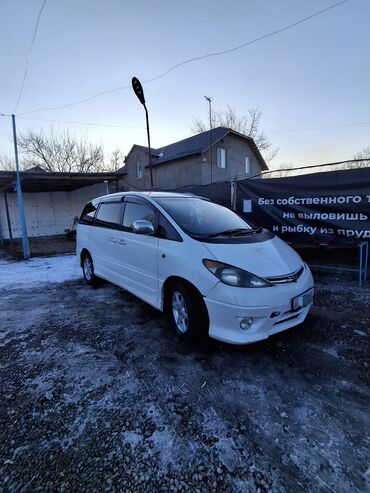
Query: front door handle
(122, 242)
(112, 240)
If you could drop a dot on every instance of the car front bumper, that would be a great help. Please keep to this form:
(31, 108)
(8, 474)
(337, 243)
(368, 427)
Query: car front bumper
(270, 308)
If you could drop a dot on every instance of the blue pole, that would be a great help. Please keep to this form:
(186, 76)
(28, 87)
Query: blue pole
(25, 244)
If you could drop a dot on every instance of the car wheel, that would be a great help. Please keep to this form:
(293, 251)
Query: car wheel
(88, 270)
(188, 313)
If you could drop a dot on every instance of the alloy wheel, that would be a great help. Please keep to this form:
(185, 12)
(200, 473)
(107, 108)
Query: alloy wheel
(180, 312)
(88, 268)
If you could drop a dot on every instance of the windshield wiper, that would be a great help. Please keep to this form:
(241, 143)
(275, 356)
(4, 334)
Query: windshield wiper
(234, 231)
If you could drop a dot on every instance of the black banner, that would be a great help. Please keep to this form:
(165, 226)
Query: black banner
(319, 207)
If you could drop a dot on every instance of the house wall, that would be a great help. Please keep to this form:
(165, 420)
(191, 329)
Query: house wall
(236, 151)
(47, 213)
(137, 155)
(180, 173)
(168, 176)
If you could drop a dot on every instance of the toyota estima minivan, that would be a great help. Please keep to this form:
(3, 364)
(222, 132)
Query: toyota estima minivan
(210, 269)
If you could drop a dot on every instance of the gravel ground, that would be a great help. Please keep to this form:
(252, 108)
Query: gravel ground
(97, 394)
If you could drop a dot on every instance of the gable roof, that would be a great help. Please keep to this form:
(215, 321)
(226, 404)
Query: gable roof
(192, 145)
(196, 145)
(36, 169)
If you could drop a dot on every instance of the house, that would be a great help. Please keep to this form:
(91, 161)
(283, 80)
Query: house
(220, 154)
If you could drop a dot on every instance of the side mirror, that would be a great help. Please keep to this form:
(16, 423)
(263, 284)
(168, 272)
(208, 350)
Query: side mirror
(143, 227)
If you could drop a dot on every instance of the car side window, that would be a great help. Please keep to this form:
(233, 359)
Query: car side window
(108, 215)
(87, 216)
(134, 212)
(166, 231)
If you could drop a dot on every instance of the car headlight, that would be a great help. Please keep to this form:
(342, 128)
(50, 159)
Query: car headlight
(233, 276)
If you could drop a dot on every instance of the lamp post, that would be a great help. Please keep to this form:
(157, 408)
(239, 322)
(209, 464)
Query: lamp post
(138, 90)
(209, 101)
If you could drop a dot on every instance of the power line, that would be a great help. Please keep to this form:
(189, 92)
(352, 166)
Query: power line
(190, 60)
(75, 122)
(308, 167)
(29, 57)
(248, 43)
(111, 125)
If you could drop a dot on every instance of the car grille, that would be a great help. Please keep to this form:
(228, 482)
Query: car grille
(293, 277)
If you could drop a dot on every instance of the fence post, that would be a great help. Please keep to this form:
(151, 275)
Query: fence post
(25, 243)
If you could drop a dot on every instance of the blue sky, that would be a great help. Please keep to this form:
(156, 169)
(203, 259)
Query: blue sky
(314, 75)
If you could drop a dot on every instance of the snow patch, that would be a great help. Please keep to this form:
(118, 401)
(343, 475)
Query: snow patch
(38, 271)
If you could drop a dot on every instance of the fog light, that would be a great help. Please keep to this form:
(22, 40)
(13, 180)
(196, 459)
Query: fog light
(246, 323)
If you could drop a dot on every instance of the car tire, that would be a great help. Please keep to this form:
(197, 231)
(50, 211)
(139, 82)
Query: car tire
(188, 313)
(88, 270)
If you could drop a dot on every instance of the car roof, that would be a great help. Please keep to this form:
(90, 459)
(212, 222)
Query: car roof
(153, 195)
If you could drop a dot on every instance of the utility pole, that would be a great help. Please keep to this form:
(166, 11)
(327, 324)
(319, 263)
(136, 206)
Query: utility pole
(25, 244)
(209, 100)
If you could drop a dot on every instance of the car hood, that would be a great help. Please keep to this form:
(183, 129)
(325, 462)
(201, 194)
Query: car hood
(266, 258)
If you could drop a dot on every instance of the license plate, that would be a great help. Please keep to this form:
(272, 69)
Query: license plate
(302, 300)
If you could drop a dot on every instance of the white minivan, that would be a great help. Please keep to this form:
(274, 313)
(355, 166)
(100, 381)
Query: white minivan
(214, 272)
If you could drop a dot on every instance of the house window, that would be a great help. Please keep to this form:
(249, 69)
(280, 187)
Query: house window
(221, 157)
(247, 165)
(139, 170)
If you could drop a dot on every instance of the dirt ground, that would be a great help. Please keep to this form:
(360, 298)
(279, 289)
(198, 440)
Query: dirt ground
(97, 394)
(41, 246)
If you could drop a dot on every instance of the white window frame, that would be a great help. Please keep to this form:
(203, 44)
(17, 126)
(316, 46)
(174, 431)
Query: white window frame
(248, 165)
(139, 170)
(221, 158)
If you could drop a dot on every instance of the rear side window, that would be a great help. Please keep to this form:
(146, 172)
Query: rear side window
(87, 216)
(109, 214)
(134, 212)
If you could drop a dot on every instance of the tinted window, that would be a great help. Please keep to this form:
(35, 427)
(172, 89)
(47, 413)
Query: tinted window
(200, 218)
(109, 215)
(88, 214)
(166, 230)
(133, 212)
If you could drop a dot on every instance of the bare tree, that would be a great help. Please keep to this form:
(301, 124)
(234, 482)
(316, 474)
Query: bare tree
(60, 152)
(247, 125)
(116, 159)
(363, 155)
(282, 171)
(7, 163)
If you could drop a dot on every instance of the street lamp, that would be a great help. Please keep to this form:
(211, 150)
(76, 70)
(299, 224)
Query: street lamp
(209, 101)
(138, 90)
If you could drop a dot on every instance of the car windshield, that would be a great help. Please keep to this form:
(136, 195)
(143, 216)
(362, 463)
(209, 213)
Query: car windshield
(198, 217)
